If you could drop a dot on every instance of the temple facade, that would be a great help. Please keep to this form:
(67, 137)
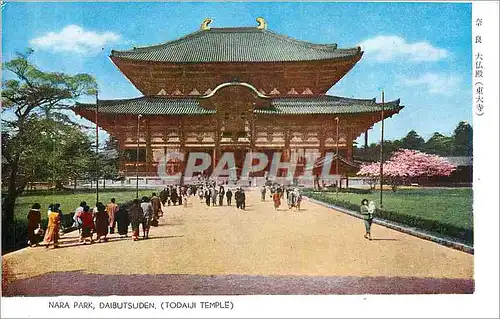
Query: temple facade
(235, 90)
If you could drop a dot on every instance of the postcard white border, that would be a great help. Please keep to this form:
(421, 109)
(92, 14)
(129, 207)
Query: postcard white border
(483, 303)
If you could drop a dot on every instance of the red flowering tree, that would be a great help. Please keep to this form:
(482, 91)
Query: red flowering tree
(405, 165)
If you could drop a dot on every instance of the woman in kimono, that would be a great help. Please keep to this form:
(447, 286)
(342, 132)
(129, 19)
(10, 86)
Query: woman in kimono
(52, 235)
(122, 220)
(111, 209)
(101, 223)
(136, 216)
(87, 219)
(276, 199)
(34, 219)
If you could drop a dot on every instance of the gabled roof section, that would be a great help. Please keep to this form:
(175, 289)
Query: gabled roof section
(152, 105)
(148, 106)
(327, 105)
(236, 45)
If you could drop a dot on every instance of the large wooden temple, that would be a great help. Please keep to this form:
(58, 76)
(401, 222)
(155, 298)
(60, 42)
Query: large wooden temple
(235, 89)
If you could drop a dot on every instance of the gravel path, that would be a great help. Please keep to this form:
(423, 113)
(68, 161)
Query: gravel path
(222, 250)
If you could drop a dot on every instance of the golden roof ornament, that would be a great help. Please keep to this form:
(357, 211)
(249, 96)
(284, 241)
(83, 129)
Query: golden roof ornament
(205, 23)
(262, 23)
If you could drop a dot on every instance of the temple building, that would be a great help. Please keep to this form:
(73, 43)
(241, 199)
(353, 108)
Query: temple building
(235, 89)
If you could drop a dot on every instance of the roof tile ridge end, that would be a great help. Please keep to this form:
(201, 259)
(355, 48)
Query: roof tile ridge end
(316, 46)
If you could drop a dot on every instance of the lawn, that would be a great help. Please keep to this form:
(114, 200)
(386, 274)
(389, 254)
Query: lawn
(450, 205)
(14, 234)
(69, 202)
(446, 210)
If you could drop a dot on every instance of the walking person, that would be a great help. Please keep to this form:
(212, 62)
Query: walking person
(57, 208)
(214, 196)
(122, 220)
(297, 198)
(101, 223)
(87, 225)
(147, 209)
(77, 218)
(367, 218)
(221, 195)
(34, 230)
(111, 209)
(237, 197)
(276, 200)
(163, 196)
(52, 235)
(263, 193)
(135, 215)
(157, 213)
(207, 196)
(179, 195)
(185, 197)
(290, 197)
(243, 199)
(173, 196)
(229, 196)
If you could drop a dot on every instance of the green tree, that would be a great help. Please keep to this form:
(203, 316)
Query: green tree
(412, 141)
(29, 93)
(439, 144)
(462, 139)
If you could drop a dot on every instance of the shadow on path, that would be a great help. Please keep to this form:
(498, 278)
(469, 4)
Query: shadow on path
(53, 284)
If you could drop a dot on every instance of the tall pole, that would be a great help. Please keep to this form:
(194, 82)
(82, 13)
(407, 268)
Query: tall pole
(337, 157)
(382, 151)
(97, 146)
(137, 158)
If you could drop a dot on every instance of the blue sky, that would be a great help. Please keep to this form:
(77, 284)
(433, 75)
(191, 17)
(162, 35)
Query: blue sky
(418, 52)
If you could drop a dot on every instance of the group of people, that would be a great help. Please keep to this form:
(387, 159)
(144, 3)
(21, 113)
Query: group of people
(213, 195)
(104, 219)
(177, 194)
(96, 222)
(293, 196)
(54, 227)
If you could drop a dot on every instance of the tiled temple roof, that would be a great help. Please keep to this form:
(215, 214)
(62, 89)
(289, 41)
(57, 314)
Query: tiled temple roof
(326, 105)
(153, 105)
(236, 45)
(149, 106)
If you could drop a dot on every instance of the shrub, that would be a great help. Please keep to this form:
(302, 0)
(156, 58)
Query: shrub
(343, 190)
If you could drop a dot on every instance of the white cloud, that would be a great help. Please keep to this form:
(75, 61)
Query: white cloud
(74, 39)
(435, 83)
(386, 48)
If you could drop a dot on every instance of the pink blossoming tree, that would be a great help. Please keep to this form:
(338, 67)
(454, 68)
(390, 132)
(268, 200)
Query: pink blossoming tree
(405, 165)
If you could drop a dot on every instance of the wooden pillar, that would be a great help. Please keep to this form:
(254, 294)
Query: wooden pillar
(322, 141)
(182, 147)
(121, 147)
(322, 151)
(149, 150)
(348, 141)
(216, 152)
(286, 155)
(252, 133)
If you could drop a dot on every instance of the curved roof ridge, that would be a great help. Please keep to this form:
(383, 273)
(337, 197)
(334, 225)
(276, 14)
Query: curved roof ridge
(162, 44)
(225, 84)
(327, 98)
(330, 48)
(326, 47)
